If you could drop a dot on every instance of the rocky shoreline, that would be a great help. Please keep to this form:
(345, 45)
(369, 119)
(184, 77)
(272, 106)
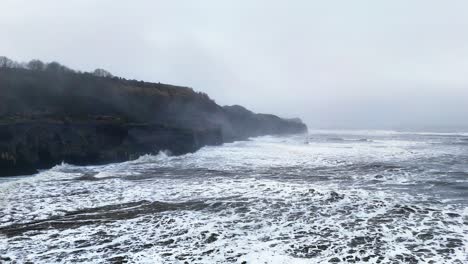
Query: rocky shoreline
(56, 115)
(28, 146)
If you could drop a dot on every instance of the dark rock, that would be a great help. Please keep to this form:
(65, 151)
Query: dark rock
(118, 260)
(41, 144)
(208, 252)
(5, 258)
(166, 242)
(212, 238)
(334, 197)
(243, 123)
(50, 117)
(104, 214)
(358, 241)
(425, 236)
(453, 215)
(148, 245)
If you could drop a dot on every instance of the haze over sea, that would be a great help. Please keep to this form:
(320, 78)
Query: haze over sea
(352, 196)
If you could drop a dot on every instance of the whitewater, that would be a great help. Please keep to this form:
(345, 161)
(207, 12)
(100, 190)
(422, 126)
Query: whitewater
(325, 197)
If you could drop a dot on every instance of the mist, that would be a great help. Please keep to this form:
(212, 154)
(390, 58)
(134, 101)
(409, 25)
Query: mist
(335, 64)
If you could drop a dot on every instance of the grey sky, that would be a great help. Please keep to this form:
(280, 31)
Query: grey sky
(362, 64)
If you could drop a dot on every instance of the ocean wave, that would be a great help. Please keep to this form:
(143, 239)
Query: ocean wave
(270, 199)
(386, 132)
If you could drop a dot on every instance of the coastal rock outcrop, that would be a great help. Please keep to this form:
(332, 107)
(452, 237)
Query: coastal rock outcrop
(54, 114)
(27, 146)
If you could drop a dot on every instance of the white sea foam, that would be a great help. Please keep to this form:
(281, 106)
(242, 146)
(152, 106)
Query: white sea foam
(385, 132)
(268, 200)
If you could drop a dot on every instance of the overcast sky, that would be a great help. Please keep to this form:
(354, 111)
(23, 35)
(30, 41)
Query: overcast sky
(400, 64)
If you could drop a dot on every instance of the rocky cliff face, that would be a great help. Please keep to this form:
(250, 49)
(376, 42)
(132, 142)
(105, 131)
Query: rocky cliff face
(50, 116)
(27, 146)
(243, 123)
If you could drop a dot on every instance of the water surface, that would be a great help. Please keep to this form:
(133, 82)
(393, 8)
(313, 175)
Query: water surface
(349, 196)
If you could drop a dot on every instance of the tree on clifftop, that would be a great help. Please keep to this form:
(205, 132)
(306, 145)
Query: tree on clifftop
(102, 73)
(36, 65)
(57, 68)
(8, 63)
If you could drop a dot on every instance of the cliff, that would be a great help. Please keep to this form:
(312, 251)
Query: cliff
(54, 114)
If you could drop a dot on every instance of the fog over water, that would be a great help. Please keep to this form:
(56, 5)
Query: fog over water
(336, 64)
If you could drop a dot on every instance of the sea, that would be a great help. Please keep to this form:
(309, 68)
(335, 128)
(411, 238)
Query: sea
(329, 196)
